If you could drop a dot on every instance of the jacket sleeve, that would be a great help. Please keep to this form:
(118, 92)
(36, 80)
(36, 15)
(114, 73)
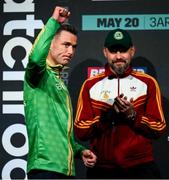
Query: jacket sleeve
(88, 121)
(151, 122)
(78, 148)
(37, 58)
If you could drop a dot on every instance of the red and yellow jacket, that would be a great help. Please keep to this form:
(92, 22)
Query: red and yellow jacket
(116, 140)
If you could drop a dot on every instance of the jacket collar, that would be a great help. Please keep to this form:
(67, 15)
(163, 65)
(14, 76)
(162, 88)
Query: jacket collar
(57, 69)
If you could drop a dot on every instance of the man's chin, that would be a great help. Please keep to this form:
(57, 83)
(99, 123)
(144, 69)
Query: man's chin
(65, 62)
(119, 70)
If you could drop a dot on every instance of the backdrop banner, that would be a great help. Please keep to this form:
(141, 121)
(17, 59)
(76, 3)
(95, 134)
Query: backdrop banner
(146, 20)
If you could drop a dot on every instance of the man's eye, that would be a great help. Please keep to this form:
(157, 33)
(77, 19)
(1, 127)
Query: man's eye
(66, 45)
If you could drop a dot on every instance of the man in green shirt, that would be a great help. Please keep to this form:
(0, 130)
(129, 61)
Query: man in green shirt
(48, 109)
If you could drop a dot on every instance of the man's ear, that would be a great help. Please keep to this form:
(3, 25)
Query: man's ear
(105, 52)
(133, 50)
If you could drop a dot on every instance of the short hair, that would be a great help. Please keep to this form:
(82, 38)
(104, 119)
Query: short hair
(67, 27)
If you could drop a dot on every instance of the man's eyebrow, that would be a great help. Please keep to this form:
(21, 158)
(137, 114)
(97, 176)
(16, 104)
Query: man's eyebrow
(69, 43)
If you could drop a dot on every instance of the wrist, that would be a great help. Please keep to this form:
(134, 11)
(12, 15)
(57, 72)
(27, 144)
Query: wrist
(132, 115)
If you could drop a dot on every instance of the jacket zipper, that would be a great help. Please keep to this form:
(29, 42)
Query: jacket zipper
(118, 86)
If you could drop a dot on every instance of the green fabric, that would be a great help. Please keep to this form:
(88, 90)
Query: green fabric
(48, 111)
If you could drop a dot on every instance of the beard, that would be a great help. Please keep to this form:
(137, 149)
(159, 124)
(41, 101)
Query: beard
(119, 70)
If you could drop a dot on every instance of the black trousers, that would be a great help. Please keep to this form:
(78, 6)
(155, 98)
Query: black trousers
(147, 170)
(44, 174)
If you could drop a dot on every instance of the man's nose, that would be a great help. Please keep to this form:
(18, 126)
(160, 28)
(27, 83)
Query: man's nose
(118, 54)
(70, 50)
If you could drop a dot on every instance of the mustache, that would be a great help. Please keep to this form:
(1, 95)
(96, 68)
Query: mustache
(119, 60)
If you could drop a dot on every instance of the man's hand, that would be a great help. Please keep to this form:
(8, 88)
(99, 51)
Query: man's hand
(122, 105)
(89, 158)
(60, 14)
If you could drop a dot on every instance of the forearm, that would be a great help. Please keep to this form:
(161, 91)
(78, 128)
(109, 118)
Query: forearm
(151, 126)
